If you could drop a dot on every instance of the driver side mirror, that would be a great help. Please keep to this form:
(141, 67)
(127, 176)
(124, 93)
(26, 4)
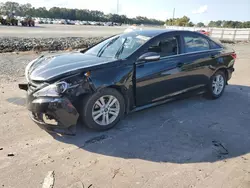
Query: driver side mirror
(149, 56)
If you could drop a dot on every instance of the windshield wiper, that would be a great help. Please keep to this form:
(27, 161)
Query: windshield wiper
(101, 51)
(119, 52)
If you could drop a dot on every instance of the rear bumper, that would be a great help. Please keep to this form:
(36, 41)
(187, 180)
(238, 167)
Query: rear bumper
(55, 115)
(230, 72)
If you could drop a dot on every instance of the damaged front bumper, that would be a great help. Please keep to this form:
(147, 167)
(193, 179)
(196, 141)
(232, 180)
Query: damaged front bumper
(55, 115)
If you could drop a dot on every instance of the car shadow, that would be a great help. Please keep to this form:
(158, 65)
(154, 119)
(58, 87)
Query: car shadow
(184, 131)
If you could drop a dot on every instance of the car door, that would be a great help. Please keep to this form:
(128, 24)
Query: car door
(163, 78)
(198, 57)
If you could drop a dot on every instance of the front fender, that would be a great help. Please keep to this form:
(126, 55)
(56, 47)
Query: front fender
(120, 78)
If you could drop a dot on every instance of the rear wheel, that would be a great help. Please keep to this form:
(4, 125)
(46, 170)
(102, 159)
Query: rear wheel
(103, 110)
(217, 85)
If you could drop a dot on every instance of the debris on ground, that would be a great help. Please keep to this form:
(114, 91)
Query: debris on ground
(96, 139)
(116, 171)
(49, 180)
(220, 148)
(11, 154)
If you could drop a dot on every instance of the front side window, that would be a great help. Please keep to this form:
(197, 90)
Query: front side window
(120, 46)
(165, 47)
(195, 44)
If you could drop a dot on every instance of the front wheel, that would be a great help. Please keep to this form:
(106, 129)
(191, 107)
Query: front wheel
(217, 85)
(103, 110)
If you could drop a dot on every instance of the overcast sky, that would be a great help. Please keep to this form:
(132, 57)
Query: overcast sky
(197, 10)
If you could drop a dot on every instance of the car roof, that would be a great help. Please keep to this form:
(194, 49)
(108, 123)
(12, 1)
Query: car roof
(155, 32)
(152, 32)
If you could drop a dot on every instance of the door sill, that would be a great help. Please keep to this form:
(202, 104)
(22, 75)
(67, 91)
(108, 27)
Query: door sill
(178, 97)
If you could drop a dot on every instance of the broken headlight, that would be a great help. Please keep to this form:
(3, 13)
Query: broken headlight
(53, 90)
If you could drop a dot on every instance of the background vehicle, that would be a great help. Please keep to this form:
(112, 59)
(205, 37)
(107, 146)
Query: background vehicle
(9, 20)
(207, 33)
(28, 21)
(125, 73)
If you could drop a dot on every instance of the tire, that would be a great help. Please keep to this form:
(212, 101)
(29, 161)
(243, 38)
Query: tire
(216, 85)
(91, 107)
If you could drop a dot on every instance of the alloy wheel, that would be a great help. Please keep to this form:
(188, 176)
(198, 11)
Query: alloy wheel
(105, 110)
(218, 84)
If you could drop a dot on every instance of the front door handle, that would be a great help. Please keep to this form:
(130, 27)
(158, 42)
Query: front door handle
(212, 56)
(140, 65)
(180, 64)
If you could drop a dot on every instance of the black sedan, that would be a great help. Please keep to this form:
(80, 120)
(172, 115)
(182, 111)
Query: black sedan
(122, 74)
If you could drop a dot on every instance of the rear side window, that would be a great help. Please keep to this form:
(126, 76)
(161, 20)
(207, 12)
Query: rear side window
(165, 47)
(214, 45)
(195, 44)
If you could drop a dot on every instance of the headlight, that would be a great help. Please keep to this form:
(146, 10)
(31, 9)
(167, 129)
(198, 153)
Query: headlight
(53, 90)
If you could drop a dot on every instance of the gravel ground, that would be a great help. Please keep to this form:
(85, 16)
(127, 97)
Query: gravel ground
(192, 143)
(55, 37)
(45, 44)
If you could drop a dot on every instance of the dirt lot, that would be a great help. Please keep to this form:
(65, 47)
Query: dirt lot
(189, 143)
(61, 31)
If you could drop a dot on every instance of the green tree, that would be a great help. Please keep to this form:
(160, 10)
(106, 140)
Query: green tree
(184, 21)
(200, 24)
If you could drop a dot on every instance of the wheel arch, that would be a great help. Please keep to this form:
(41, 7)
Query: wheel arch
(123, 91)
(224, 70)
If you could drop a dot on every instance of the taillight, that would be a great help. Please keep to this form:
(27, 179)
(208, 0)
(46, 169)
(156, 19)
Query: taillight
(234, 55)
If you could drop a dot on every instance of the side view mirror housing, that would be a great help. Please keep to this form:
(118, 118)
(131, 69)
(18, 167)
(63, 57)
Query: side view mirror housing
(149, 56)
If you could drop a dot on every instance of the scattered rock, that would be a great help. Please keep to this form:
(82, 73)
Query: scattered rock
(244, 158)
(68, 158)
(11, 154)
(1, 149)
(49, 180)
(4, 112)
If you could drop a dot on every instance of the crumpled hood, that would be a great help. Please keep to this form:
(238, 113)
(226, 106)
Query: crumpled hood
(49, 67)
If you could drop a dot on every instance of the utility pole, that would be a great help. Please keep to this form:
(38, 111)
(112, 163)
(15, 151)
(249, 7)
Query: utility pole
(117, 8)
(173, 16)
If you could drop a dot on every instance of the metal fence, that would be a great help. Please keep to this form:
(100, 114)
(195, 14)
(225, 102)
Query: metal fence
(220, 33)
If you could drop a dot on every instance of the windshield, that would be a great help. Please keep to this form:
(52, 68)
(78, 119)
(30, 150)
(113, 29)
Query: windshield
(120, 46)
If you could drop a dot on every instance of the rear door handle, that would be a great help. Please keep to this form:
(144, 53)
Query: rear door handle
(180, 64)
